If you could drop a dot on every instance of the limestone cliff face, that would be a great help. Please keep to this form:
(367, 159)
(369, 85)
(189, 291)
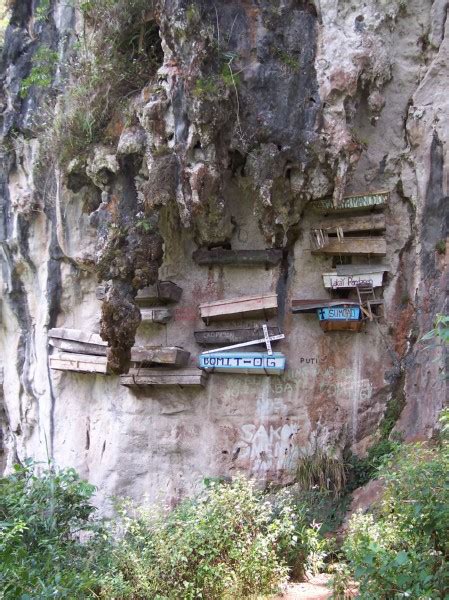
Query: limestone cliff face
(252, 111)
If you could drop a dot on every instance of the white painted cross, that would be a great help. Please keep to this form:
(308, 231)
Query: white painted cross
(267, 339)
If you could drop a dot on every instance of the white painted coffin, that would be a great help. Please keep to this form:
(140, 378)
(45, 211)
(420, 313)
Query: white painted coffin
(334, 281)
(79, 363)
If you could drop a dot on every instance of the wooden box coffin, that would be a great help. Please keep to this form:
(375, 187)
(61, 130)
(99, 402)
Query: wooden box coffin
(334, 281)
(232, 336)
(339, 313)
(356, 246)
(243, 258)
(310, 306)
(170, 355)
(163, 377)
(161, 292)
(351, 224)
(250, 363)
(354, 326)
(350, 203)
(79, 363)
(156, 315)
(249, 306)
(77, 341)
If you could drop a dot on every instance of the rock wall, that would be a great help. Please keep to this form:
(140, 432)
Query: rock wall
(256, 109)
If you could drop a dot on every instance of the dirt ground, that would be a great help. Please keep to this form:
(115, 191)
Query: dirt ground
(314, 589)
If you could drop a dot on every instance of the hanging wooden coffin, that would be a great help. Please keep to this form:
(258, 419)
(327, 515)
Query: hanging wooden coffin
(340, 318)
(79, 363)
(352, 224)
(232, 336)
(77, 341)
(250, 306)
(250, 363)
(170, 355)
(349, 203)
(164, 377)
(156, 315)
(164, 292)
(356, 246)
(334, 281)
(242, 258)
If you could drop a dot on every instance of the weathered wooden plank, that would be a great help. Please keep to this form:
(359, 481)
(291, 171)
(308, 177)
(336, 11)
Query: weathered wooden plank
(76, 335)
(252, 363)
(360, 269)
(333, 281)
(232, 336)
(263, 305)
(372, 222)
(80, 363)
(355, 246)
(162, 291)
(269, 257)
(310, 306)
(169, 355)
(349, 203)
(159, 377)
(156, 315)
(78, 347)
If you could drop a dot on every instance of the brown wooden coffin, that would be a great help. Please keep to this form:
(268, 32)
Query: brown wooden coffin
(242, 258)
(169, 355)
(164, 377)
(164, 292)
(354, 326)
(350, 224)
(355, 246)
(218, 337)
(249, 306)
(77, 341)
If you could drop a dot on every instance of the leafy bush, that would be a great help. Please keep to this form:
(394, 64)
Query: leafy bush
(229, 543)
(41, 519)
(402, 551)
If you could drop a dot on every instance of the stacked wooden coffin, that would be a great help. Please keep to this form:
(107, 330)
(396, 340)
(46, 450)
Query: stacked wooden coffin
(354, 228)
(233, 358)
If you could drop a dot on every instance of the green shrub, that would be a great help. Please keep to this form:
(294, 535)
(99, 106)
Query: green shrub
(229, 543)
(402, 550)
(41, 519)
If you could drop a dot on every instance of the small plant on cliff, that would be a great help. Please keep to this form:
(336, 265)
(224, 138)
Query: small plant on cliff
(42, 72)
(321, 471)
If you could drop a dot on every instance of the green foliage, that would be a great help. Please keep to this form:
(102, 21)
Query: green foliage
(229, 543)
(322, 472)
(440, 330)
(42, 70)
(41, 518)
(440, 247)
(43, 10)
(290, 61)
(402, 551)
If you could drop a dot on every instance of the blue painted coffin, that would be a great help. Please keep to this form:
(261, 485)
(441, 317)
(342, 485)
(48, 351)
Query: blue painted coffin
(339, 313)
(253, 363)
